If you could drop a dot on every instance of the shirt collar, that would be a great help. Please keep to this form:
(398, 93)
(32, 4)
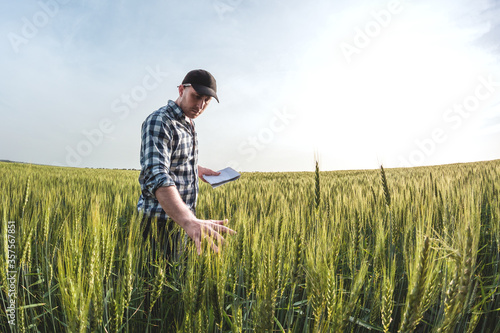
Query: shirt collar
(176, 110)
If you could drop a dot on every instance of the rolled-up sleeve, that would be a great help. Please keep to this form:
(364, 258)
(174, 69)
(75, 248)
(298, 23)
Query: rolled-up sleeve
(156, 151)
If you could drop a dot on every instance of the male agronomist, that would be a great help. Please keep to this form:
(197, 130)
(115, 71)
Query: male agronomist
(169, 164)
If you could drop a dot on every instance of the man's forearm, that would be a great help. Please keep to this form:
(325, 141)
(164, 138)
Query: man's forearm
(172, 204)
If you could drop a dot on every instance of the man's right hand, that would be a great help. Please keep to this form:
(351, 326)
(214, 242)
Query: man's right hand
(176, 209)
(212, 229)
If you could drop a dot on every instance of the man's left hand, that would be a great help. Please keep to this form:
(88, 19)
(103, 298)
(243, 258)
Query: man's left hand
(206, 172)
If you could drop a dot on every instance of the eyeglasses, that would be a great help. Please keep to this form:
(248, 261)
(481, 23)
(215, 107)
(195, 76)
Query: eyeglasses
(185, 85)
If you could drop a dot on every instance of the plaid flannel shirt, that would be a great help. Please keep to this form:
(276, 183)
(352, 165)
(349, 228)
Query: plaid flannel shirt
(169, 157)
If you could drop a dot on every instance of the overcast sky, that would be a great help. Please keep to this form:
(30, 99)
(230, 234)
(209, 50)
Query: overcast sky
(358, 83)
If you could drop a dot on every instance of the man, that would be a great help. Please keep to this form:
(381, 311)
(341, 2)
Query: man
(169, 163)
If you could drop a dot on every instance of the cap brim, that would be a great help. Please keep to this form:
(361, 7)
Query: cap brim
(203, 90)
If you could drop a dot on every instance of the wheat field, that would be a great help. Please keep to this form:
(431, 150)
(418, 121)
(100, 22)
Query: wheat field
(387, 250)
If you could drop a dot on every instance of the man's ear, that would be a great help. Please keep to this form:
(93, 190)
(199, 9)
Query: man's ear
(181, 90)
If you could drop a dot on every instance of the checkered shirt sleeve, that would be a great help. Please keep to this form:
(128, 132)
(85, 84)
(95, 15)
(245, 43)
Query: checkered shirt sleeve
(169, 157)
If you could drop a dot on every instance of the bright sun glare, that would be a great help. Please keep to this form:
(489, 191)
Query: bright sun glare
(390, 94)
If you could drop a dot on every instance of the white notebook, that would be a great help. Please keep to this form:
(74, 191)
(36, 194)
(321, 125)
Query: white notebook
(226, 175)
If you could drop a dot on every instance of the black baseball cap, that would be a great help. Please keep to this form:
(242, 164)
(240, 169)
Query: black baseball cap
(203, 82)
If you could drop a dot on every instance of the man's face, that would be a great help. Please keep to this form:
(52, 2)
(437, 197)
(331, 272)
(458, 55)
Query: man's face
(192, 103)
